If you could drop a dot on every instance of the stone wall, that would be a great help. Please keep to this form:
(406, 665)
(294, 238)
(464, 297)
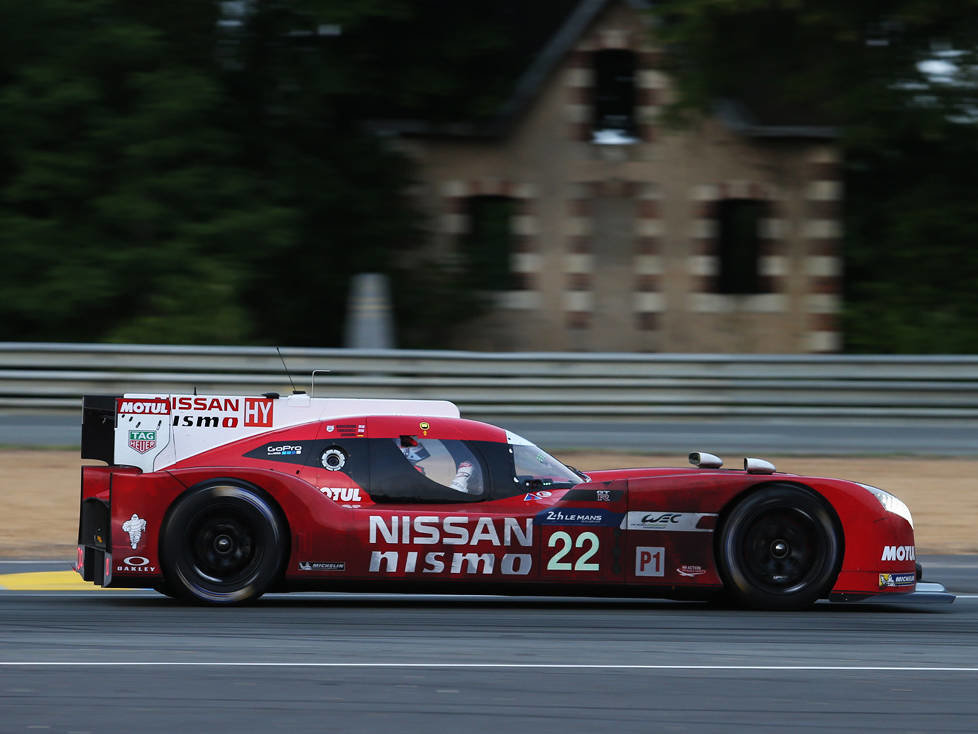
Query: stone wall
(615, 246)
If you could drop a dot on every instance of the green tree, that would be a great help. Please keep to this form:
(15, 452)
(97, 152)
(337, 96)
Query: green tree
(898, 80)
(164, 178)
(121, 205)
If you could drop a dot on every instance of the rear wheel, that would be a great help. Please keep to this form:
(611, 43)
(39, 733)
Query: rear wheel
(222, 544)
(779, 548)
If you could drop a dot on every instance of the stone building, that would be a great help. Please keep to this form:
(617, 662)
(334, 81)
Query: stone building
(600, 229)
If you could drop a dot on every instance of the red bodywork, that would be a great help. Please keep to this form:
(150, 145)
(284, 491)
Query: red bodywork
(574, 540)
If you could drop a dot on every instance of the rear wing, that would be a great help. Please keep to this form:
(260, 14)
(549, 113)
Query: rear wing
(98, 427)
(153, 431)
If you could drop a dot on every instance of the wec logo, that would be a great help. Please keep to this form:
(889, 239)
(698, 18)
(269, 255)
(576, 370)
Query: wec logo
(898, 553)
(656, 519)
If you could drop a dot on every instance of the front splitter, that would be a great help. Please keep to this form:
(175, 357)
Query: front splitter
(925, 593)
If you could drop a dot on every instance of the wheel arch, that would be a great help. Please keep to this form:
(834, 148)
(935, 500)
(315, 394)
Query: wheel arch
(746, 491)
(741, 496)
(268, 497)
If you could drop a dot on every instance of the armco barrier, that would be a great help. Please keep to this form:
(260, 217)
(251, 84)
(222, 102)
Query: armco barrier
(38, 376)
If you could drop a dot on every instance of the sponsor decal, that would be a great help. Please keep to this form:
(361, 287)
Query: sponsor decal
(333, 459)
(203, 411)
(322, 565)
(205, 421)
(330, 429)
(665, 520)
(460, 530)
(258, 412)
(898, 553)
(542, 494)
(342, 494)
(142, 441)
(347, 430)
(578, 516)
(135, 564)
(285, 450)
(562, 542)
(207, 404)
(452, 530)
(650, 561)
(509, 564)
(135, 526)
(893, 580)
(593, 495)
(423, 425)
(660, 519)
(143, 406)
(690, 570)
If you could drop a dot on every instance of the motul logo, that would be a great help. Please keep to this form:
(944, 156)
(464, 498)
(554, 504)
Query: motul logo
(151, 406)
(898, 553)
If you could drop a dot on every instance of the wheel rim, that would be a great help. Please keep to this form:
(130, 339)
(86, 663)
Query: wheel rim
(225, 550)
(782, 550)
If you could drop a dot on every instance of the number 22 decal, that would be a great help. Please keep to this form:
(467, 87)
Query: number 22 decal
(556, 564)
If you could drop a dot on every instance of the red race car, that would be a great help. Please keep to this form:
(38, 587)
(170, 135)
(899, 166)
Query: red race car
(220, 498)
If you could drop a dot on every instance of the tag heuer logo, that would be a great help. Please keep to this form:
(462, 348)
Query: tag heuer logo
(142, 441)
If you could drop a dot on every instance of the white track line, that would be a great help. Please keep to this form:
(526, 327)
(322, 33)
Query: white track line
(532, 666)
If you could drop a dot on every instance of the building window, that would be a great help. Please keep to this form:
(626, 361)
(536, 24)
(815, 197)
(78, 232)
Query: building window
(487, 246)
(738, 245)
(614, 96)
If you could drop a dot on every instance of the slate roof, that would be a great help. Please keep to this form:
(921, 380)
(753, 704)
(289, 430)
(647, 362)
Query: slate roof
(544, 32)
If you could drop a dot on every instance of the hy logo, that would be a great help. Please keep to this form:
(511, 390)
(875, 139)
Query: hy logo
(142, 441)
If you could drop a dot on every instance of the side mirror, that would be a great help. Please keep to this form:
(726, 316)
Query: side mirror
(704, 460)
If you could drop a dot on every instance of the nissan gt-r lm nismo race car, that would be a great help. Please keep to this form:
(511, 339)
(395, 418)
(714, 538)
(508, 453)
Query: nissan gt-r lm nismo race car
(222, 498)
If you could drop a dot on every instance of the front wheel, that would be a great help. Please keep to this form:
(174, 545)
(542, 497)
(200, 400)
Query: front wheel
(779, 548)
(222, 544)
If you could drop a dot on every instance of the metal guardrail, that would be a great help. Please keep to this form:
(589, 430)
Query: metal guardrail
(37, 376)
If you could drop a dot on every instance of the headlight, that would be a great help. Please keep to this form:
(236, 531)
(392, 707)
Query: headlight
(890, 503)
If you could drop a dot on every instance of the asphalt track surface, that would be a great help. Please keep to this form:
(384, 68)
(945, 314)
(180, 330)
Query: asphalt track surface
(128, 661)
(759, 437)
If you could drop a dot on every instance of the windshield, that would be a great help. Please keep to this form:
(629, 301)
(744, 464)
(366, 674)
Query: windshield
(535, 464)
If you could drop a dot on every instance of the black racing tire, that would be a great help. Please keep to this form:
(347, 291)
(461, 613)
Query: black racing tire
(779, 548)
(222, 543)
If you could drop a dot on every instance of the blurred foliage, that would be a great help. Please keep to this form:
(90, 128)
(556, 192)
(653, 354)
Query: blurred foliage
(164, 179)
(898, 79)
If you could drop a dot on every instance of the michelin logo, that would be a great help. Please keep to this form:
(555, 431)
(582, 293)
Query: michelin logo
(135, 526)
(893, 580)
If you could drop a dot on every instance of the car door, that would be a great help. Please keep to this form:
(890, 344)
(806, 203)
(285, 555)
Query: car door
(580, 535)
(432, 515)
